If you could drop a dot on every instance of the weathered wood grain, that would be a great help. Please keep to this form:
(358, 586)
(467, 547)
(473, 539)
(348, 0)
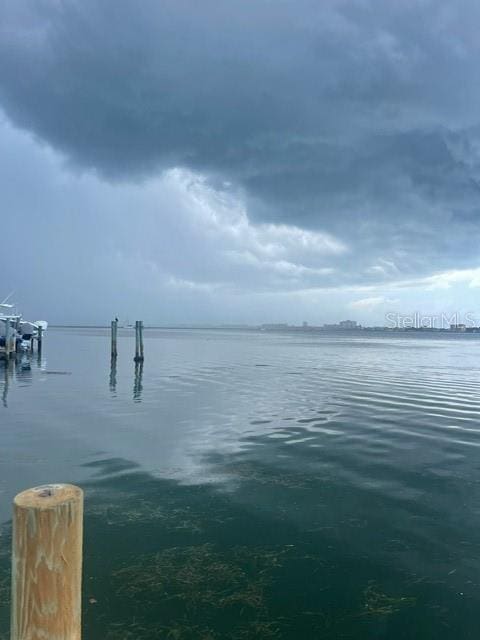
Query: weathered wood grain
(47, 563)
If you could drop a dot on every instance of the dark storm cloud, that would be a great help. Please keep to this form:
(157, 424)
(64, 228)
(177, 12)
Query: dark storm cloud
(357, 118)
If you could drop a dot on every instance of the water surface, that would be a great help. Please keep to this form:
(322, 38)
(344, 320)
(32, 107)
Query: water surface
(258, 485)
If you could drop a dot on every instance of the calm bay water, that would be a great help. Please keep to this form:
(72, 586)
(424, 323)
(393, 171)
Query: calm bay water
(248, 485)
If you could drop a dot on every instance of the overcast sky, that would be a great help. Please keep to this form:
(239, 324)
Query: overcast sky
(242, 161)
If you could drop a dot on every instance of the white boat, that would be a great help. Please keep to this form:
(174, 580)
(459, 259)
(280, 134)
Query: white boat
(23, 331)
(126, 325)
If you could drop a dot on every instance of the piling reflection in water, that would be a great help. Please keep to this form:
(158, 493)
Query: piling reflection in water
(19, 369)
(113, 375)
(8, 369)
(138, 382)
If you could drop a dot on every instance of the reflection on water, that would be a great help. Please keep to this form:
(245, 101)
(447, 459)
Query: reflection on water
(137, 382)
(260, 486)
(7, 368)
(17, 370)
(113, 375)
(23, 369)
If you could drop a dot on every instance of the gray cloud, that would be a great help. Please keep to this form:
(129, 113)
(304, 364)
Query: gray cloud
(355, 119)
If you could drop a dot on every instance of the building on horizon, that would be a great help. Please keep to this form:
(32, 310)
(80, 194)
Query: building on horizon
(343, 325)
(458, 327)
(349, 324)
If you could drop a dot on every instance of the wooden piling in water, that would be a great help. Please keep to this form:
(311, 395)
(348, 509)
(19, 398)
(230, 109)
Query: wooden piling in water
(10, 343)
(114, 338)
(141, 339)
(39, 338)
(7, 339)
(47, 563)
(138, 341)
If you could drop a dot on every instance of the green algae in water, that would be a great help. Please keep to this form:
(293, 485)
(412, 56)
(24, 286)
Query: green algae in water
(185, 631)
(201, 575)
(267, 475)
(201, 581)
(5, 580)
(148, 513)
(180, 631)
(378, 603)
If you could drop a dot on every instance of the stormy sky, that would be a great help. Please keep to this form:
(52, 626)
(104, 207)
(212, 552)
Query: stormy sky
(242, 161)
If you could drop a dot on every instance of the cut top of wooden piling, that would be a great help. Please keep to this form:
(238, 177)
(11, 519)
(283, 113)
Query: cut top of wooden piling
(48, 496)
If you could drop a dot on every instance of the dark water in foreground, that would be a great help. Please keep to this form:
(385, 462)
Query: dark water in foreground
(259, 486)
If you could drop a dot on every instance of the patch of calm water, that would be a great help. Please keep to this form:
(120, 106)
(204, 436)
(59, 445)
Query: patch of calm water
(249, 485)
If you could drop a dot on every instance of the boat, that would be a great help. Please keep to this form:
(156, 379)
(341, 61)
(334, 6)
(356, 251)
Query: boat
(14, 326)
(126, 325)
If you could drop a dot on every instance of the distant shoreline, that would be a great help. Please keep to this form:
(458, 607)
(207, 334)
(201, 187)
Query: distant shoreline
(291, 329)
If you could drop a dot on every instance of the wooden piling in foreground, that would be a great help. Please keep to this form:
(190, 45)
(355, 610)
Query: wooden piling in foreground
(47, 563)
(39, 338)
(114, 338)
